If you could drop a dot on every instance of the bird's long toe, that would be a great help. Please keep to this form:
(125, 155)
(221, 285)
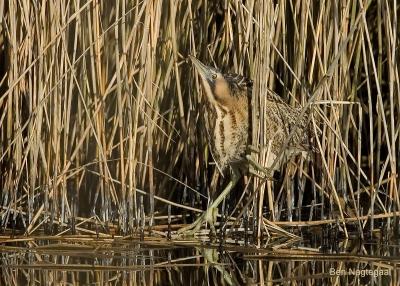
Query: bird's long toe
(210, 216)
(193, 227)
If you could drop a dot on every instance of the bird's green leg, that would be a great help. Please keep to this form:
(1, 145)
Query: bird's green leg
(210, 215)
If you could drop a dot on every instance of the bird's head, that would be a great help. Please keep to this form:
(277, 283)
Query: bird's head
(220, 88)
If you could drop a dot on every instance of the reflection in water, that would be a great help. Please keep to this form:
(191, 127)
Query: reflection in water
(86, 260)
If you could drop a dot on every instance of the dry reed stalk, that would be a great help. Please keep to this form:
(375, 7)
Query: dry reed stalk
(98, 107)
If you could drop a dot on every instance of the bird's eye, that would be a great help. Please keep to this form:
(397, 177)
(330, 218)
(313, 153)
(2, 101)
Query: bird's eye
(214, 76)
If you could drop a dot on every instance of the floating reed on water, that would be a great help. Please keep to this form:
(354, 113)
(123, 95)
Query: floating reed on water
(101, 114)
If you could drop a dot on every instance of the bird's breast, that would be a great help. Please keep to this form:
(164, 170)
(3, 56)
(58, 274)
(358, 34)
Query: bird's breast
(230, 135)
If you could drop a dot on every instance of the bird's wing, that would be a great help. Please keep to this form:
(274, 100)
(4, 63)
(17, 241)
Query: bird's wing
(282, 120)
(271, 96)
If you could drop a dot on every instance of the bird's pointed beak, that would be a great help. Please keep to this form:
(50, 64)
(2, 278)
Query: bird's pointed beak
(202, 69)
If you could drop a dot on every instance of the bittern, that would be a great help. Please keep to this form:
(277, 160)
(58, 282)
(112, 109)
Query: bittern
(228, 128)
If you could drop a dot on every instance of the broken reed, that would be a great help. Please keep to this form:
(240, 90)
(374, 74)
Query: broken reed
(100, 112)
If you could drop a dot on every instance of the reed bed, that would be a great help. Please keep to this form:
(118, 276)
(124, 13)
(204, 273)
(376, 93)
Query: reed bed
(101, 113)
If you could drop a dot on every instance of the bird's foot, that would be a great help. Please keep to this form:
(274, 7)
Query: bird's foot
(209, 216)
(192, 228)
(211, 213)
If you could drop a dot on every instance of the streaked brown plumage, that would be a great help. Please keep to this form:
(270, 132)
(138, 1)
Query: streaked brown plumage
(228, 127)
(227, 120)
(282, 121)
